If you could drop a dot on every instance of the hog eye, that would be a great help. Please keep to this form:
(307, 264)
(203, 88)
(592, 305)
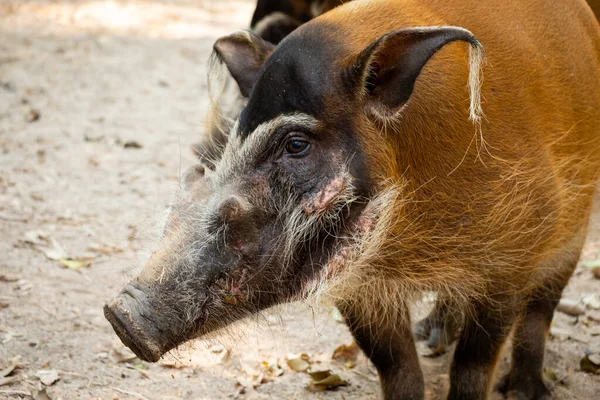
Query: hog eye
(296, 146)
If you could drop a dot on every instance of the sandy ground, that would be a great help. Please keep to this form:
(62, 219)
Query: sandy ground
(79, 80)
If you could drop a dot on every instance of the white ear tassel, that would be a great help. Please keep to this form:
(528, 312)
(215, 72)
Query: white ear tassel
(217, 77)
(476, 58)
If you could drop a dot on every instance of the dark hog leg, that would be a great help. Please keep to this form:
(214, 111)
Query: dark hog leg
(389, 344)
(525, 380)
(487, 327)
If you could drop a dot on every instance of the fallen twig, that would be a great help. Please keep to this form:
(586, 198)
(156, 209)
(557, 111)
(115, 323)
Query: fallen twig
(141, 371)
(19, 392)
(76, 375)
(8, 218)
(132, 394)
(367, 377)
(50, 313)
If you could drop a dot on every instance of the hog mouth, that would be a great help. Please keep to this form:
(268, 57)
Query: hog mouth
(131, 333)
(140, 325)
(150, 326)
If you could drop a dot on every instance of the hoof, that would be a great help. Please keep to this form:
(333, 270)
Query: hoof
(523, 388)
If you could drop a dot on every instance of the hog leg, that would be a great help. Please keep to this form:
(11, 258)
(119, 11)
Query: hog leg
(441, 327)
(525, 379)
(391, 348)
(477, 350)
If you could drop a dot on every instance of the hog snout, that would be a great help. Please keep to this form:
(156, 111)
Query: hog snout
(138, 324)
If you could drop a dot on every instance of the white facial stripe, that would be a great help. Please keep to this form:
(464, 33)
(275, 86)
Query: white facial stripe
(238, 151)
(263, 132)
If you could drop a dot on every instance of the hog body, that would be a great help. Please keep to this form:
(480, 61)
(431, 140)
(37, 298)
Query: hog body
(373, 162)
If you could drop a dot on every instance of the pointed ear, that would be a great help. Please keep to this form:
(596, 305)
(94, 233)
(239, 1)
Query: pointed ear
(243, 53)
(387, 69)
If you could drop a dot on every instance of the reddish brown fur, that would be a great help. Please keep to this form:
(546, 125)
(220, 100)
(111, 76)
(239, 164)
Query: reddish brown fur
(494, 215)
(541, 166)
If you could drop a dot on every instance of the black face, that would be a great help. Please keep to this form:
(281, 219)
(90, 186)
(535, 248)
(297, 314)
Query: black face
(283, 199)
(291, 81)
(262, 227)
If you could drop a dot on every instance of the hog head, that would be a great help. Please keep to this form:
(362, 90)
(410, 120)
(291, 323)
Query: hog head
(293, 189)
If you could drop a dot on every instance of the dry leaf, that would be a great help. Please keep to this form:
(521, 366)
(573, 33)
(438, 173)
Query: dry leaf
(559, 333)
(223, 352)
(325, 380)
(106, 249)
(122, 355)
(74, 264)
(17, 361)
(346, 352)
(570, 307)
(43, 242)
(5, 378)
(590, 264)
(350, 365)
(23, 287)
(132, 144)
(47, 376)
(42, 395)
(251, 382)
(594, 358)
(590, 363)
(8, 370)
(298, 362)
(8, 380)
(271, 370)
(550, 374)
(93, 139)
(592, 301)
(32, 116)
(7, 278)
(172, 364)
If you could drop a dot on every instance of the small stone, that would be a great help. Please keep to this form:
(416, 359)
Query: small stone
(47, 376)
(559, 334)
(571, 307)
(132, 144)
(33, 115)
(592, 301)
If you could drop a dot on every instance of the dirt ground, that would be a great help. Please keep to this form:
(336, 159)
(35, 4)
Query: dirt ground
(99, 103)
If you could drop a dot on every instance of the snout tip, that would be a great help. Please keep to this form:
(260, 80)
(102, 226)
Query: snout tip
(131, 333)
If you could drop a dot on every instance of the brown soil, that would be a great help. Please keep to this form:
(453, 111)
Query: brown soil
(78, 80)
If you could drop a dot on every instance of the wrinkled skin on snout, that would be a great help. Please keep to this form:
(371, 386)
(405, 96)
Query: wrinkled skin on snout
(251, 234)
